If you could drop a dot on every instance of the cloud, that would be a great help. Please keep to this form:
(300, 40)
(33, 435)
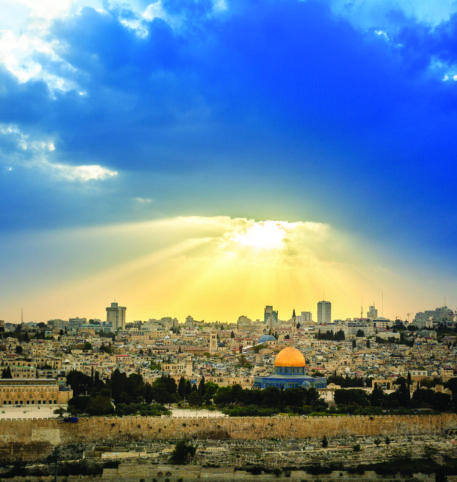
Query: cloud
(389, 13)
(78, 173)
(34, 154)
(46, 8)
(264, 109)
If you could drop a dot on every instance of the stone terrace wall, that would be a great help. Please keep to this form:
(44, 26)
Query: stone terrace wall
(46, 433)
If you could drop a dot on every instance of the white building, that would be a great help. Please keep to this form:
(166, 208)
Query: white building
(115, 315)
(324, 312)
(372, 313)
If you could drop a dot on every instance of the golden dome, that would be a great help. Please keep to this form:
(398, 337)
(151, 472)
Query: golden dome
(290, 357)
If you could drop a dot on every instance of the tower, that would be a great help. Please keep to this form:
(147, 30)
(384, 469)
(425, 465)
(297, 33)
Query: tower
(324, 312)
(115, 315)
(270, 317)
(212, 342)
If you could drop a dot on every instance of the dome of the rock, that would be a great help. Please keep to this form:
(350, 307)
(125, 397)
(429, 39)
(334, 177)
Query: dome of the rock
(290, 357)
(290, 372)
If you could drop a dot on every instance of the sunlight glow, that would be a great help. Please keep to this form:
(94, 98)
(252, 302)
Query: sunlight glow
(214, 268)
(262, 235)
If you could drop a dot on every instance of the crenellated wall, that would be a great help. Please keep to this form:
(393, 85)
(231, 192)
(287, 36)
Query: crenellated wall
(44, 434)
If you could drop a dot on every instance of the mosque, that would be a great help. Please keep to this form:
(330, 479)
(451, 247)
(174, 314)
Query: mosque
(290, 372)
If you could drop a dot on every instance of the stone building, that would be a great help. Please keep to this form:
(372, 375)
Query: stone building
(14, 391)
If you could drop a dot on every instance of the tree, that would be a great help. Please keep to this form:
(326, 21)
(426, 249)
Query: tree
(195, 399)
(354, 344)
(6, 373)
(357, 448)
(232, 335)
(182, 388)
(360, 333)
(298, 325)
(182, 453)
(87, 346)
(377, 442)
(440, 475)
(368, 344)
(387, 440)
(100, 405)
(201, 387)
(18, 350)
(351, 397)
(324, 442)
(60, 411)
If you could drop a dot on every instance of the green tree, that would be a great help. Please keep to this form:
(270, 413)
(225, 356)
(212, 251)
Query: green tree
(100, 405)
(195, 399)
(182, 453)
(324, 442)
(87, 346)
(182, 388)
(201, 387)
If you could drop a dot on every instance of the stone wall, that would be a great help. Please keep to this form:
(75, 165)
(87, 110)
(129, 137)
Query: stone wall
(46, 433)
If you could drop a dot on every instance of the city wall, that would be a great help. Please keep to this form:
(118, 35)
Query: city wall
(37, 437)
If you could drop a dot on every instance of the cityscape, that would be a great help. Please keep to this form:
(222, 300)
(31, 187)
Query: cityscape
(228, 240)
(300, 369)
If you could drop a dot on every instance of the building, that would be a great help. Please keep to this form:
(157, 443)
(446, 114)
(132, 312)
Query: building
(324, 312)
(14, 391)
(372, 313)
(270, 317)
(213, 342)
(290, 372)
(115, 315)
(438, 315)
(306, 316)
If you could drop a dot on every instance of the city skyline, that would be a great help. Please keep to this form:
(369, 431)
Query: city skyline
(212, 157)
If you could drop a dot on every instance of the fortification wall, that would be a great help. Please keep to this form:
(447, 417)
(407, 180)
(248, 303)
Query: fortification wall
(47, 433)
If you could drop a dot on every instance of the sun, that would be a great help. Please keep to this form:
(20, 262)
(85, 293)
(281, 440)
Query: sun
(262, 235)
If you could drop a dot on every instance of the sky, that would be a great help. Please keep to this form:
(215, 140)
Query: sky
(211, 157)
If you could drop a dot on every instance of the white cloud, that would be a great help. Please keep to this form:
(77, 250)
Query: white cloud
(368, 14)
(17, 52)
(143, 200)
(33, 153)
(46, 8)
(78, 173)
(381, 33)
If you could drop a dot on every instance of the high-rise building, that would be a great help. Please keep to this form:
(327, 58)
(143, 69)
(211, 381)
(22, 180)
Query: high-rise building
(372, 313)
(270, 317)
(324, 312)
(115, 315)
(306, 316)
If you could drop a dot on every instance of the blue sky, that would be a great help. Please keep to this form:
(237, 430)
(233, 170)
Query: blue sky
(332, 112)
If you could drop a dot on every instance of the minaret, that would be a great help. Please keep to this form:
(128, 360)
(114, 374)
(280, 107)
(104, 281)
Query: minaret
(294, 319)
